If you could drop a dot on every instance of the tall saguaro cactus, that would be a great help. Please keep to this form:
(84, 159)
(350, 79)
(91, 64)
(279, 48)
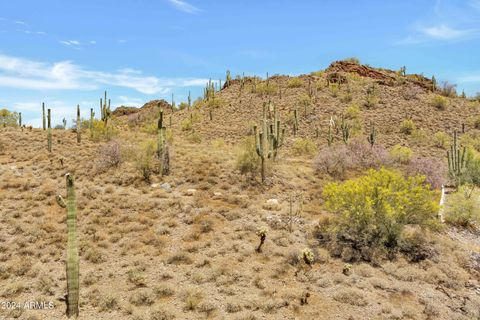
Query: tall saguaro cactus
(276, 133)
(79, 125)
(49, 132)
(261, 144)
(72, 263)
(43, 115)
(20, 119)
(456, 160)
(189, 100)
(372, 137)
(105, 110)
(162, 147)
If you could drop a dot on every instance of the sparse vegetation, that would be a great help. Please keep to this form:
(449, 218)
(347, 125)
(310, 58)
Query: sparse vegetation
(295, 83)
(407, 126)
(439, 102)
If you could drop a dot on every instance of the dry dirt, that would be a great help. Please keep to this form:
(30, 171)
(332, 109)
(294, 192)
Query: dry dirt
(150, 253)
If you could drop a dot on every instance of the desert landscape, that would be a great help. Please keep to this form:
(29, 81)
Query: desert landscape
(345, 193)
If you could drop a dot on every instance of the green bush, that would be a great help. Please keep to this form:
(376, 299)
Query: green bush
(441, 139)
(186, 124)
(304, 147)
(263, 88)
(462, 210)
(144, 158)
(194, 137)
(99, 131)
(8, 118)
(407, 126)
(439, 102)
(373, 210)
(295, 83)
(419, 137)
(401, 154)
(475, 122)
(247, 159)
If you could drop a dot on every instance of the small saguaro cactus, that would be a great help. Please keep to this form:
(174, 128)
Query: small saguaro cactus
(20, 119)
(64, 122)
(456, 160)
(49, 132)
(295, 122)
(434, 83)
(276, 134)
(162, 147)
(79, 125)
(330, 136)
(92, 116)
(173, 101)
(43, 116)
(228, 78)
(262, 233)
(72, 263)
(307, 256)
(372, 137)
(189, 100)
(105, 110)
(345, 131)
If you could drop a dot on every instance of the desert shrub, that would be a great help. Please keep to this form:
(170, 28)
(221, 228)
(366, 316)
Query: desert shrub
(332, 161)
(471, 139)
(364, 156)
(109, 155)
(2, 147)
(305, 101)
(352, 112)
(295, 83)
(431, 168)
(419, 137)
(215, 103)
(411, 92)
(247, 159)
(263, 88)
(441, 139)
(100, 131)
(475, 122)
(354, 60)
(194, 137)
(448, 89)
(304, 147)
(415, 245)
(334, 89)
(373, 210)
(371, 98)
(8, 118)
(407, 126)
(439, 102)
(359, 155)
(144, 159)
(462, 210)
(186, 124)
(401, 154)
(183, 105)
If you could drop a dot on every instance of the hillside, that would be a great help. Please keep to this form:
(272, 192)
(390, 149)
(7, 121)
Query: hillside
(183, 246)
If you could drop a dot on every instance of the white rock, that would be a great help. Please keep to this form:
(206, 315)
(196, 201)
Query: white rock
(272, 202)
(190, 192)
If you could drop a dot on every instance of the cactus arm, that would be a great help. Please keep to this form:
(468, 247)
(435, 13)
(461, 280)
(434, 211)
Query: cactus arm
(60, 201)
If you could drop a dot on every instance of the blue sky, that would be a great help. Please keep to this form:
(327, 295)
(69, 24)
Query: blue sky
(67, 52)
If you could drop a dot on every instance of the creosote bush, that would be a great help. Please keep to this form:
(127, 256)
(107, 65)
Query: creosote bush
(295, 83)
(144, 159)
(247, 159)
(371, 211)
(109, 155)
(462, 211)
(304, 147)
(441, 139)
(407, 126)
(439, 102)
(99, 131)
(401, 154)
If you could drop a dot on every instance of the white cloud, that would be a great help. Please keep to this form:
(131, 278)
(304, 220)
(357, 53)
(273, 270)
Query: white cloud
(184, 6)
(41, 33)
(444, 32)
(20, 22)
(122, 41)
(129, 101)
(65, 75)
(93, 42)
(469, 78)
(70, 42)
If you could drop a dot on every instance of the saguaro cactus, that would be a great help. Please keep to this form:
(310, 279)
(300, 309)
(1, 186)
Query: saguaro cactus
(20, 119)
(456, 160)
(189, 100)
(43, 116)
(162, 147)
(372, 137)
(105, 110)
(262, 145)
(79, 125)
(64, 121)
(276, 134)
(345, 131)
(92, 116)
(330, 136)
(49, 132)
(295, 122)
(72, 263)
